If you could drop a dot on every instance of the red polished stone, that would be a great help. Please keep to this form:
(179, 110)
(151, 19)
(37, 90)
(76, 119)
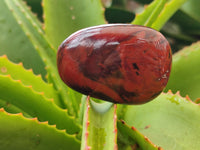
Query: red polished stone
(120, 63)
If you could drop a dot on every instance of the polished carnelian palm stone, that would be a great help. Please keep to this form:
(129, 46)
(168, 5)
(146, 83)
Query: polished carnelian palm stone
(120, 63)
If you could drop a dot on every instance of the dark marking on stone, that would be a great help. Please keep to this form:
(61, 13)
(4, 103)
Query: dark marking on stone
(125, 95)
(169, 55)
(102, 95)
(145, 51)
(135, 66)
(101, 63)
(84, 90)
(137, 73)
(155, 58)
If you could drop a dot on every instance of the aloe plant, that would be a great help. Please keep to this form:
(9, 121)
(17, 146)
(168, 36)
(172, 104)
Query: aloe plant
(38, 111)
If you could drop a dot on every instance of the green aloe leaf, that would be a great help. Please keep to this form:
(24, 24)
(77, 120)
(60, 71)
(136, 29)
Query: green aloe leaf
(170, 8)
(185, 73)
(18, 72)
(131, 137)
(36, 104)
(28, 23)
(64, 17)
(99, 126)
(158, 13)
(169, 121)
(12, 109)
(150, 14)
(15, 44)
(21, 133)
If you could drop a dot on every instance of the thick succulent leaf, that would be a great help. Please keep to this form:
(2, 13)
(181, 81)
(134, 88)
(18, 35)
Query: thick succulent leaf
(157, 13)
(131, 137)
(170, 8)
(64, 17)
(12, 109)
(151, 12)
(169, 121)
(82, 109)
(18, 72)
(185, 74)
(21, 133)
(35, 104)
(15, 44)
(99, 126)
(48, 54)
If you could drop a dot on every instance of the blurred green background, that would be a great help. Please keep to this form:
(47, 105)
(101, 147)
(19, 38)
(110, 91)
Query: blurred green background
(181, 30)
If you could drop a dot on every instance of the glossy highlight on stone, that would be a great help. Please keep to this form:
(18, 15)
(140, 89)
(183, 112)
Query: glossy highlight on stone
(120, 63)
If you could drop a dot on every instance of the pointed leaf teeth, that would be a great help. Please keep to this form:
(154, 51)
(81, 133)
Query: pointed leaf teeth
(138, 136)
(64, 130)
(4, 56)
(35, 14)
(36, 120)
(133, 128)
(43, 27)
(7, 75)
(48, 101)
(145, 6)
(197, 101)
(20, 114)
(188, 98)
(20, 64)
(150, 142)
(39, 76)
(14, 114)
(45, 122)
(178, 93)
(17, 72)
(25, 2)
(42, 3)
(2, 109)
(35, 132)
(160, 148)
(29, 7)
(170, 92)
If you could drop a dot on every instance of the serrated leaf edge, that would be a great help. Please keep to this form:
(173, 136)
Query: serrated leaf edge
(72, 118)
(144, 137)
(63, 131)
(20, 64)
